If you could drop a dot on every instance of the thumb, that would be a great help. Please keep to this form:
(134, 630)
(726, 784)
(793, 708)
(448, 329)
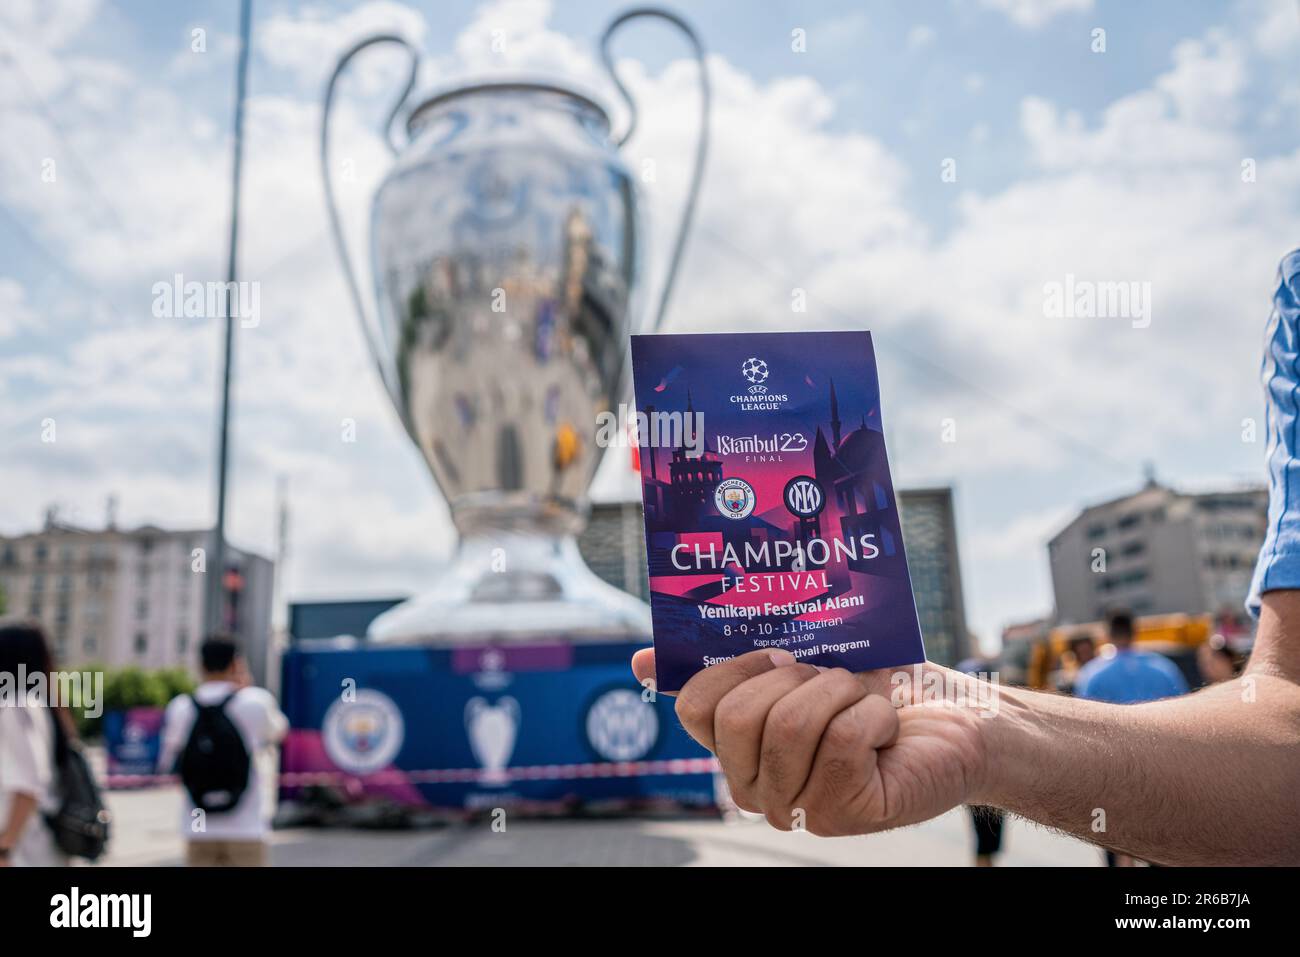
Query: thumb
(643, 665)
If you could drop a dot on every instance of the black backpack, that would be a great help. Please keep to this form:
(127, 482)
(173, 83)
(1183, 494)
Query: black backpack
(81, 824)
(214, 765)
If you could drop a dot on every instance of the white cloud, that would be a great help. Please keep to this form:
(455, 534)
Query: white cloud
(1034, 13)
(47, 23)
(15, 312)
(920, 37)
(308, 41)
(1277, 32)
(1186, 118)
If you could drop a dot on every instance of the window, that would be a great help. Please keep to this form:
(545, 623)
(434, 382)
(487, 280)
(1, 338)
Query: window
(141, 643)
(1096, 531)
(89, 645)
(183, 641)
(9, 556)
(141, 608)
(41, 553)
(1128, 521)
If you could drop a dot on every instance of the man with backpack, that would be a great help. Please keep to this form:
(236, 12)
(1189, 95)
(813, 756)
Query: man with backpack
(212, 740)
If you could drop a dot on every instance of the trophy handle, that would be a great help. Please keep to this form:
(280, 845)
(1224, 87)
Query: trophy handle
(370, 329)
(701, 142)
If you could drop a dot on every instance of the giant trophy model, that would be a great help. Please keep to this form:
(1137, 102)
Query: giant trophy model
(505, 251)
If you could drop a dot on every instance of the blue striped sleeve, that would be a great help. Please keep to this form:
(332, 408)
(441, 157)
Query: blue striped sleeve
(1279, 558)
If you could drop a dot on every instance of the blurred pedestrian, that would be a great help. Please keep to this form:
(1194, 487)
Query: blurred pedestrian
(1215, 660)
(989, 822)
(213, 740)
(1129, 675)
(28, 773)
(1082, 649)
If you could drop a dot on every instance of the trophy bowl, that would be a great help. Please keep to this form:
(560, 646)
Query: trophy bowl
(504, 247)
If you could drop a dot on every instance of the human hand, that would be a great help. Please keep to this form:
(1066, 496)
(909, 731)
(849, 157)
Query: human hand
(825, 749)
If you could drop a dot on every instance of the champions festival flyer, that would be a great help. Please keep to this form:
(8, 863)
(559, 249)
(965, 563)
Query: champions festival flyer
(770, 516)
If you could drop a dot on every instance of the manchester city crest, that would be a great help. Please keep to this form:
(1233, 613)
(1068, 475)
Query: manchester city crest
(734, 498)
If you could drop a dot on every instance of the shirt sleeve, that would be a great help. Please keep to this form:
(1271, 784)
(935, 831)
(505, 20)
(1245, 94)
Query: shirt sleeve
(175, 732)
(20, 765)
(273, 724)
(1278, 566)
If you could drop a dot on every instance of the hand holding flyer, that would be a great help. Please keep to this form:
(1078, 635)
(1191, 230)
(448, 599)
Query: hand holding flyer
(770, 514)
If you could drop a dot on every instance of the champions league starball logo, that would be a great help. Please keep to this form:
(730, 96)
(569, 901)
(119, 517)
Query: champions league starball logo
(755, 372)
(622, 726)
(365, 734)
(756, 398)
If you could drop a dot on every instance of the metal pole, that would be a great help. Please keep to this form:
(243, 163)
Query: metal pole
(216, 566)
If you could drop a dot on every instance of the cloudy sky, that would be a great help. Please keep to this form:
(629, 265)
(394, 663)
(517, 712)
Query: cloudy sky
(924, 170)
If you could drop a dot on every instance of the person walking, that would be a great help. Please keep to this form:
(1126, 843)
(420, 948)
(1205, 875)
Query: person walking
(28, 739)
(213, 739)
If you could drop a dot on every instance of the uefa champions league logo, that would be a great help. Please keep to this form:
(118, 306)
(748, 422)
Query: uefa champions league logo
(756, 397)
(621, 726)
(755, 372)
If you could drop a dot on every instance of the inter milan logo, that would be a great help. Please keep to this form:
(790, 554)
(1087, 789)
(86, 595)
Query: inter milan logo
(804, 497)
(621, 726)
(754, 371)
(734, 498)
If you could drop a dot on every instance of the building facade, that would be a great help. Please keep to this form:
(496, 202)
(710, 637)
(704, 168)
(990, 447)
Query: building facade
(1159, 551)
(121, 597)
(930, 538)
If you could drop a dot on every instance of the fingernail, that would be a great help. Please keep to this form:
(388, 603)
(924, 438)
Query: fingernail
(781, 658)
(821, 668)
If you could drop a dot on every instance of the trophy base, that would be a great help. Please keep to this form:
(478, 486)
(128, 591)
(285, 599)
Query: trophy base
(515, 588)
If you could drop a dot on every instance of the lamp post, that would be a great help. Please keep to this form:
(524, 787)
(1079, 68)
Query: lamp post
(216, 566)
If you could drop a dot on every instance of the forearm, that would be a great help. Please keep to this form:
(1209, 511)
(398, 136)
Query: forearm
(1209, 778)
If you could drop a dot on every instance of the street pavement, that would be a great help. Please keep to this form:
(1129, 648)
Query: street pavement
(146, 832)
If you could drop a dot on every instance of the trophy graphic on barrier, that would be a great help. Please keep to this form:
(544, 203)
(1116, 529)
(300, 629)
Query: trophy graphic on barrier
(505, 248)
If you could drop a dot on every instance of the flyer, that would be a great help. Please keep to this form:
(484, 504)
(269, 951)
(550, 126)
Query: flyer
(770, 515)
